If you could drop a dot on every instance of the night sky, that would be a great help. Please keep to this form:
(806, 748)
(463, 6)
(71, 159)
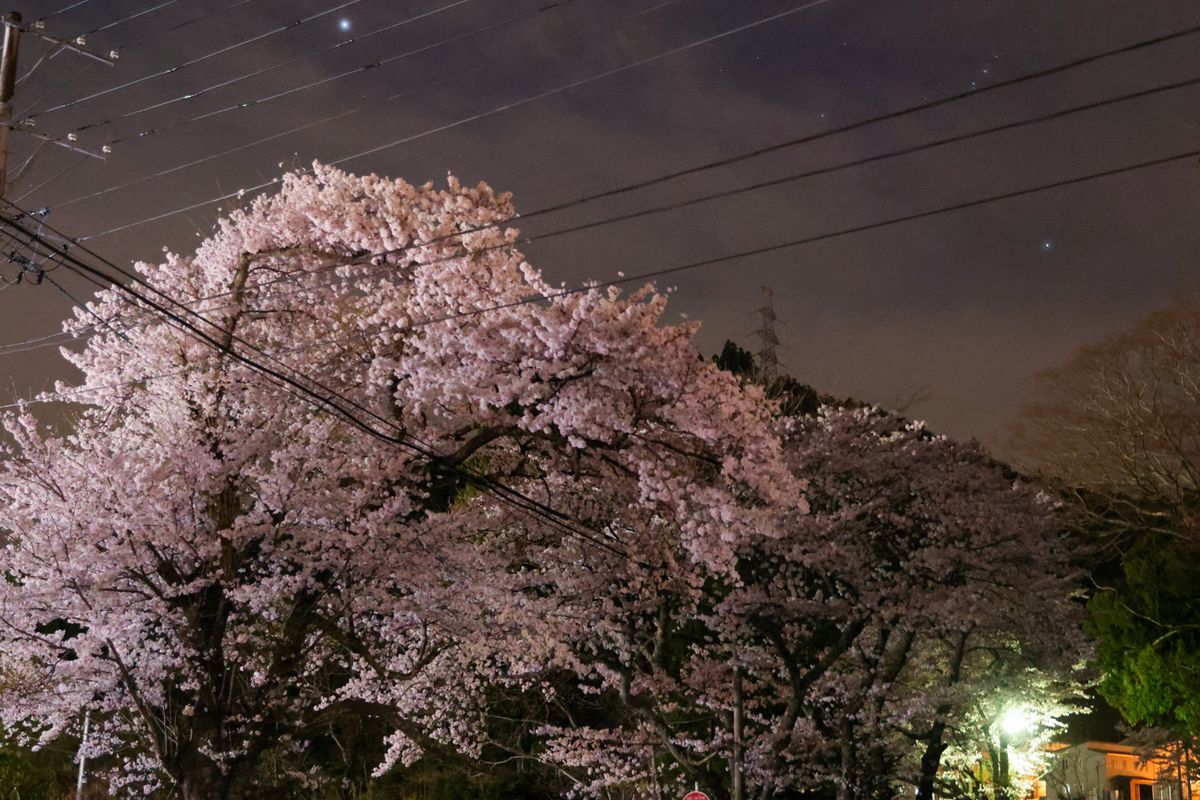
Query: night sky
(964, 307)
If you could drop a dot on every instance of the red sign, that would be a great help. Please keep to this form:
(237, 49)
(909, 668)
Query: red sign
(696, 795)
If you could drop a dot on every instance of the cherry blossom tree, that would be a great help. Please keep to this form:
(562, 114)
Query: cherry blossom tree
(220, 571)
(847, 652)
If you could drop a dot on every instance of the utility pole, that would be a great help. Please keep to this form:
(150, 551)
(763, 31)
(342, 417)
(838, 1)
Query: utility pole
(736, 768)
(87, 718)
(768, 360)
(8, 82)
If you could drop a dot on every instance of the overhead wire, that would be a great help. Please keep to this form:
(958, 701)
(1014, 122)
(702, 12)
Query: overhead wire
(297, 386)
(33, 107)
(50, 51)
(724, 161)
(793, 243)
(868, 121)
(495, 110)
(62, 289)
(768, 183)
(129, 17)
(663, 178)
(334, 117)
(185, 23)
(196, 60)
(56, 339)
(66, 8)
(254, 103)
(773, 182)
(493, 26)
(788, 244)
(531, 506)
(19, 173)
(197, 93)
(289, 383)
(941, 101)
(912, 217)
(71, 166)
(54, 49)
(46, 96)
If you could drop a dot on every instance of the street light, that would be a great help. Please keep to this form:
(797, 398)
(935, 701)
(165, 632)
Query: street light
(1016, 720)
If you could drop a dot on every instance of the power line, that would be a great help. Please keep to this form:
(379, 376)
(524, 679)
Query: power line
(496, 110)
(192, 95)
(782, 180)
(331, 78)
(122, 47)
(74, 77)
(52, 52)
(1046, 72)
(641, 62)
(190, 62)
(799, 242)
(187, 22)
(858, 162)
(744, 156)
(129, 17)
(76, 163)
(867, 122)
(830, 169)
(49, 340)
(297, 386)
(50, 279)
(515, 498)
(334, 117)
(886, 155)
(66, 8)
(324, 402)
(789, 244)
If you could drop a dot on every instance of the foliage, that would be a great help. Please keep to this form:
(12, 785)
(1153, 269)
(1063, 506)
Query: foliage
(793, 397)
(1117, 427)
(27, 775)
(1148, 642)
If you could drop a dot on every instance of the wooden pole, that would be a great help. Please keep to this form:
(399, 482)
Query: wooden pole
(8, 82)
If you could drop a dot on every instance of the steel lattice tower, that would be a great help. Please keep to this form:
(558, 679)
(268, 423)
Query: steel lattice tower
(768, 359)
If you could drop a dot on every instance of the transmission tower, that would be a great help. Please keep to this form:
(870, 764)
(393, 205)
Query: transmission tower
(768, 360)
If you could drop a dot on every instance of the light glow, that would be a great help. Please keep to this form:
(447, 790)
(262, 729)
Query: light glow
(1016, 720)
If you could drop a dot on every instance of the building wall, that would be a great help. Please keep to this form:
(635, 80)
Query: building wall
(1105, 771)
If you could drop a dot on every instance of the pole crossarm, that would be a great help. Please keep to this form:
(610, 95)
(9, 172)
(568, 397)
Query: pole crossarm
(13, 28)
(67, 143)
(77, 45)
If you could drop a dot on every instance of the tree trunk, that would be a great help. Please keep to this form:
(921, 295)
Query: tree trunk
(737, 778)
(931, 761)
(199, 779)
(847, 787)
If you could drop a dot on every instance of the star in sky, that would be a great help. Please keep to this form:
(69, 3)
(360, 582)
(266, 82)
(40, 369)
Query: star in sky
(1047, 245)
(344, 24)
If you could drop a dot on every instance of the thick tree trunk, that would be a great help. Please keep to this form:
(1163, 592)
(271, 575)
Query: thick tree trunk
(931, 761)
(935, 746)
(199, 779)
